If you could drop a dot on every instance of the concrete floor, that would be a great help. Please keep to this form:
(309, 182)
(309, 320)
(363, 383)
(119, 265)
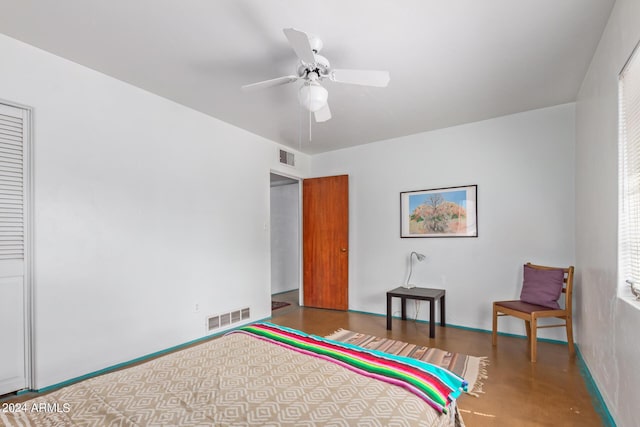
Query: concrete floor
(517, 393)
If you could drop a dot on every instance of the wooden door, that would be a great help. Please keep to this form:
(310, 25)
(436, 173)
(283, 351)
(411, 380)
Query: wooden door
(325, 228)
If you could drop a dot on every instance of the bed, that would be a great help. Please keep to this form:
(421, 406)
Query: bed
(248, 377)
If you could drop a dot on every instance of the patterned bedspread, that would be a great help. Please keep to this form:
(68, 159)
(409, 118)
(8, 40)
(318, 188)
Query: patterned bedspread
(435, 385)
(234, 380)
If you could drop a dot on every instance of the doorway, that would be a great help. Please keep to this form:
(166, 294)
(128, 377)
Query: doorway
(285, 232)
(322, 230)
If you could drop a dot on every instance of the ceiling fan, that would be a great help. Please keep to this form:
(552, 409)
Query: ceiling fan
(313, 68)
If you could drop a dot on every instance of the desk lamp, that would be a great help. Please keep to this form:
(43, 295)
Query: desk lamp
(420, 258)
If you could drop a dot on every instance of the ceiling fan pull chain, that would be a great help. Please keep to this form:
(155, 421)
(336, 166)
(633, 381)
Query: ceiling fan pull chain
(299, 129)
(309, 125)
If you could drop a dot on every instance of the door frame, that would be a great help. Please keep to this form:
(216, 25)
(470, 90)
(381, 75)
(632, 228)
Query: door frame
(29, 270)
(300, 265)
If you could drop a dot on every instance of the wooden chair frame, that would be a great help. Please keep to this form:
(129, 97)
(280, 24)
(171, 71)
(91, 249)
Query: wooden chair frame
(534, 312)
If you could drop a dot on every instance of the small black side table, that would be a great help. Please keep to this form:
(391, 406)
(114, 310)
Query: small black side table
(425, 294)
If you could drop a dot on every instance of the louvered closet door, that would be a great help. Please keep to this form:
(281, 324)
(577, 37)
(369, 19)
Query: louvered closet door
(12, 249)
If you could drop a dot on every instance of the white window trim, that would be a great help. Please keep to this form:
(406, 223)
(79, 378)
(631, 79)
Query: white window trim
(624, 248)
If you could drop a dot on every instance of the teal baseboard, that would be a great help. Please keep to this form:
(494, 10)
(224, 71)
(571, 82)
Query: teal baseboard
(467, 328)
(596, 398)
(134, 361)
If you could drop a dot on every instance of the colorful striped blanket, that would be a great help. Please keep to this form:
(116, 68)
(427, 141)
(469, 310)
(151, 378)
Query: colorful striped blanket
(435, 385)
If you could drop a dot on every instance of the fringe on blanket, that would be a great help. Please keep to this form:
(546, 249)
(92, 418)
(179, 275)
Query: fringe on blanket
(482, 375)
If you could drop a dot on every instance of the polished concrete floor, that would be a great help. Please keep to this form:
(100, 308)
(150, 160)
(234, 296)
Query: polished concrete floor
(292, 297)
(517, 393)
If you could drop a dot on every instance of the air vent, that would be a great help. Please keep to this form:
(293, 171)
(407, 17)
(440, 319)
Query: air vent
(225, 319)
(287, 158)
(213, 322)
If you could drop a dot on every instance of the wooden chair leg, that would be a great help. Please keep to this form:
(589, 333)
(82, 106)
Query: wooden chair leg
(494, 333)
(533, 339)
(570, 336)
(527, 327)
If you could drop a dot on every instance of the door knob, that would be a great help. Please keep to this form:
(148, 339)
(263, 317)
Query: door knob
(343, 249)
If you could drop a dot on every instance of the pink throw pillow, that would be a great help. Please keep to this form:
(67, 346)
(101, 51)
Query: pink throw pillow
(542, 287)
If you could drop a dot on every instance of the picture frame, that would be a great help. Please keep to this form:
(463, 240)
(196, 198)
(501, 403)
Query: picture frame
(439, 212)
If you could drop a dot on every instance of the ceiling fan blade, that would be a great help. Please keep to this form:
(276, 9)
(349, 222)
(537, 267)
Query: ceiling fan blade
(323, 114)
(299, 41)
(270, 83)
(361, 77)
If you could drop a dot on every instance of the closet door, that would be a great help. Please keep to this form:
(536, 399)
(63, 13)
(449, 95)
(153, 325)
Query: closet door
(13, 290)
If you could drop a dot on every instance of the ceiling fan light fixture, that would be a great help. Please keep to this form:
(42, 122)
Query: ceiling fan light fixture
(314, 68)
(312, 96)
(315, 43)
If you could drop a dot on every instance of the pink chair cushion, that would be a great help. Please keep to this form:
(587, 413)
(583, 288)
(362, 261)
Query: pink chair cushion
(542, 287)
(522, 307)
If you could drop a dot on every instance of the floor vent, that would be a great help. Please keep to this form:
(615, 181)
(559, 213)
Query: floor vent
(226, 319)
(287, 158)
(213, 322)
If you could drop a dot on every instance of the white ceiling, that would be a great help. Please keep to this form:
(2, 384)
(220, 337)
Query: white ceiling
(451, 62)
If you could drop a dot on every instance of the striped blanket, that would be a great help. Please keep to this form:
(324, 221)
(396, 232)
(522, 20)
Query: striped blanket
(433, 384)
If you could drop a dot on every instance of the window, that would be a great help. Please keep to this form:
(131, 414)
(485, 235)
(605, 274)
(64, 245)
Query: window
(629, 173)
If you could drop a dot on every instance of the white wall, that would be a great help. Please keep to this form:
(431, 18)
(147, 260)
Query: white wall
(608, 325)
(143, 209)
(523, 166)
(285, 238)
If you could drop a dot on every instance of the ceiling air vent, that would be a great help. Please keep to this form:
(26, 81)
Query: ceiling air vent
(287, 158)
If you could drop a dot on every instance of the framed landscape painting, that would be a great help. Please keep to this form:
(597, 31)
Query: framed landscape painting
(441, 212)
